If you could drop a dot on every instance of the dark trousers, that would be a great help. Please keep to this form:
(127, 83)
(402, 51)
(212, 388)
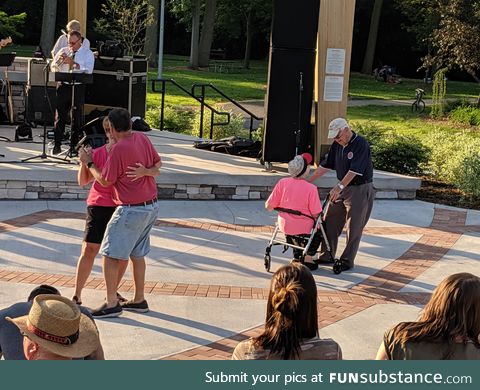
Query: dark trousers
(352, 211)
(64, 104)
(301, 240)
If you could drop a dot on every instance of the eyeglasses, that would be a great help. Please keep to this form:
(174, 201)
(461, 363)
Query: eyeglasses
(73, 43)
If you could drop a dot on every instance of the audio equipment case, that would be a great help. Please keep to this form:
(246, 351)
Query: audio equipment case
(119, 82)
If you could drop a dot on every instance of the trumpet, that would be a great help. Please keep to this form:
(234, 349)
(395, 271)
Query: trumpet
(61, 59)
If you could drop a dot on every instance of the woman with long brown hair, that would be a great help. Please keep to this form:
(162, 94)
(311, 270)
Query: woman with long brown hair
(291, 327)
(448, 329)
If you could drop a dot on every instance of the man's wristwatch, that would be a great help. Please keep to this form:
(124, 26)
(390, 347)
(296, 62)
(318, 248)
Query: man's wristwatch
(339, 185)
(90, 164)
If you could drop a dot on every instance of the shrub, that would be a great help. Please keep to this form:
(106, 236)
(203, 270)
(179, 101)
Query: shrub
(235, 127)
(468, 178)
(180, 121)
(455, 159)
(394, 153)
(465, 114)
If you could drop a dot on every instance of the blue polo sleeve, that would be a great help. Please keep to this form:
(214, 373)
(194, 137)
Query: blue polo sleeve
(329, 160)
(361, 157)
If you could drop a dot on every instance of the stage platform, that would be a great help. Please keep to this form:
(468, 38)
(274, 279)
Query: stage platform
(187, 173)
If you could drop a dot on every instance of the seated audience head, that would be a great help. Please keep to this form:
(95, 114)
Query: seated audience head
(42, 289)
(453, 312)
(55, 329)
(298, 168)
(291, 311)
(120, 120)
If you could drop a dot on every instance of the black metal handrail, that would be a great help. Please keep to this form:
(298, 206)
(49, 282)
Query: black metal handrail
(210, 85)
(201, 100)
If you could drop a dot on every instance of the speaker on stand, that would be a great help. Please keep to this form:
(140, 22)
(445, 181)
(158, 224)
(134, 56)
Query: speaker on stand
(291, 78)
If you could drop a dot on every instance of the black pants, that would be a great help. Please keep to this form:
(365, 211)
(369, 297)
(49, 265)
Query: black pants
(301, 240)
(64, 104)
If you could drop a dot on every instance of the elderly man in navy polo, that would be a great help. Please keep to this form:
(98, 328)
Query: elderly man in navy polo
(352, 197)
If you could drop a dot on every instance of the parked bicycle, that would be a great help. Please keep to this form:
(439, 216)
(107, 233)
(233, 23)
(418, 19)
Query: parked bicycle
(418, 105)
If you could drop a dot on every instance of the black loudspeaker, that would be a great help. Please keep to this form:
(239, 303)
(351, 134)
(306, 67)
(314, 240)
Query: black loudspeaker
(290, 80)
(39, 109)
(281, 122)
(295, 24)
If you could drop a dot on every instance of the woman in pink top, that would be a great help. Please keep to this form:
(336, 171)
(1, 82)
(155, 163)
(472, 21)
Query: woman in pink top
(295, 193)
(100, 207)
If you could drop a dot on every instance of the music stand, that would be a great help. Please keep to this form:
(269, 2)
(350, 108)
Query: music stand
(73, 78)
(44, 156)
(6, 59)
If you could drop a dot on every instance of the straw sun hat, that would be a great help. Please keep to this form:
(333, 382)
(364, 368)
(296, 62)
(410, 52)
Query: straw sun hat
(56, 324)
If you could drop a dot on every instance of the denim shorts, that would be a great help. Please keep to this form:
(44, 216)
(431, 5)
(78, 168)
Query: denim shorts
(128, 232)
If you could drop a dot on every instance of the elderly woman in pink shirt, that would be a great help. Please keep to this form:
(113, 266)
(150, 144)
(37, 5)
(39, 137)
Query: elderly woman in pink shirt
(295, 193)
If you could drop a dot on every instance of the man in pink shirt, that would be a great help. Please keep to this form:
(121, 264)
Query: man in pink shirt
(128, 232)
(295, 193)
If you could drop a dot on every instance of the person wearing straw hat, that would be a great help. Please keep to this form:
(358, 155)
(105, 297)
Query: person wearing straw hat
(11, 340)
(352, 197)
(295, 193)
(55, 329)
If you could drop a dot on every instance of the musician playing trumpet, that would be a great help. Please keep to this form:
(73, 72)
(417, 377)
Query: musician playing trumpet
(74, 58)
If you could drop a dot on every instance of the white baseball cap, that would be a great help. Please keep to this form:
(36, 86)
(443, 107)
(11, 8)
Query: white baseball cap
(335, 126)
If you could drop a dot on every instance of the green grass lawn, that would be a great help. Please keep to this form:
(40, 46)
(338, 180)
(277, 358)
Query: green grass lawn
(365, 87)
(21, 50)
(251, 84)
(242, 85)
(403, 121)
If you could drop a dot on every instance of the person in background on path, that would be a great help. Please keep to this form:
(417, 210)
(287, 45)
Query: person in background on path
(11, 340)
(448, 329)
(100, 208)
(351, 199)
(297, 194)
(62, 41)
(291, 326)
(55, 329)
(128, 232)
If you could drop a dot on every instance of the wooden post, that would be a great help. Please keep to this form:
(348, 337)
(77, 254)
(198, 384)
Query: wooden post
(335, 30)
(77, 9)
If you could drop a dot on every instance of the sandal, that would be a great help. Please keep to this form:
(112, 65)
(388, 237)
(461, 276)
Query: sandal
(76, 300)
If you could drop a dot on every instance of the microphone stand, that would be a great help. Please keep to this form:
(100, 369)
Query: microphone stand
(44, 156)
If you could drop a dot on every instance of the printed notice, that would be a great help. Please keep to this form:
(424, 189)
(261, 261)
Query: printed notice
(333, 89)
(335, 63)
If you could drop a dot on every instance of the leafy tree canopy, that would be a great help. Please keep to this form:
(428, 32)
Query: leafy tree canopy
(11, 25)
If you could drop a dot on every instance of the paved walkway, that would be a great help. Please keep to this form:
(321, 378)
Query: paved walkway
(257, 107)
(207, 284)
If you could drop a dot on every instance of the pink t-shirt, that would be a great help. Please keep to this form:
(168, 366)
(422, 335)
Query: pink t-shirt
(127, 152)
(295, 194)
(100, 195)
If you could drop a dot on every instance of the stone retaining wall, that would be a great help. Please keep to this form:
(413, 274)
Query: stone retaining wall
(21, 189)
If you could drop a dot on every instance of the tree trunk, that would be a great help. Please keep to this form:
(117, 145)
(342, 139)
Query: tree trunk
(151, 34)
(195, 34)
(248, 44)
(372, 37)
(48, 25)
(206, 37)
